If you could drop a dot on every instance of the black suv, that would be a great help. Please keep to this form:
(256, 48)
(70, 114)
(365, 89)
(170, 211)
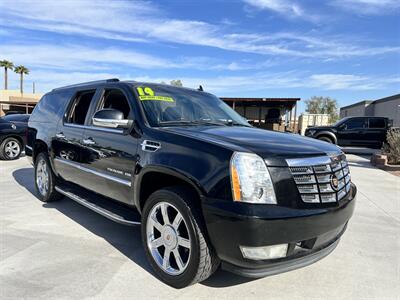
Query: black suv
(207, 188)
(353, 131)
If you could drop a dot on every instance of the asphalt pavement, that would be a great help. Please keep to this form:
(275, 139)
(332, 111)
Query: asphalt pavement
(62, 250)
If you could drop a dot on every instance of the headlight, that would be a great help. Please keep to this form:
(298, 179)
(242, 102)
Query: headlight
(250, 179)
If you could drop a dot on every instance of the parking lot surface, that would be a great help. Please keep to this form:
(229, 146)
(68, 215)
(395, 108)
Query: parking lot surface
(63, 250)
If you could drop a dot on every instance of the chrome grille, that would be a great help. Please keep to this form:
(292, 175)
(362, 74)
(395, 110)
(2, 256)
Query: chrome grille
(316, 177)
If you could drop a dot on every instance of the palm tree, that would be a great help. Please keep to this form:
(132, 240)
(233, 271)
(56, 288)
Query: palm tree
(21, 70)
(6, 65)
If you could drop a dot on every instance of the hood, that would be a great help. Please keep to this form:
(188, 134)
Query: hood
(270, 145)
(320, 128)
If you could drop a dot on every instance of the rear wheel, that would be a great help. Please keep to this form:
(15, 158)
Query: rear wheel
(10, 149)
(175, 240)
(45, 179)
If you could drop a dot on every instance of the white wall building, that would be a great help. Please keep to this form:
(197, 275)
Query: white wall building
(388, 107)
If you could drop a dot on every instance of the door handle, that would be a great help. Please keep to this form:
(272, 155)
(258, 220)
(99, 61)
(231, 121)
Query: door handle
(60, 135)
(88, 141)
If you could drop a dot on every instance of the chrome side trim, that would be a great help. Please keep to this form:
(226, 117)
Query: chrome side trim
(112, 130)
(308, 161)
(105, 213)
(100, 174)
(28, 147)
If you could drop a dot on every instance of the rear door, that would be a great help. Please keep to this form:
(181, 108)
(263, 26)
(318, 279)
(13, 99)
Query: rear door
(352, 132)
(70, 154)
(113, 151)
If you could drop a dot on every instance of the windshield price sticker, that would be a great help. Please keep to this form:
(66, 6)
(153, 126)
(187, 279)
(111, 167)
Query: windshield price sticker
(146, 93)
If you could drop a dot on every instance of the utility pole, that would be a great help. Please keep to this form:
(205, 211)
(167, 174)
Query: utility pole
(33, 87)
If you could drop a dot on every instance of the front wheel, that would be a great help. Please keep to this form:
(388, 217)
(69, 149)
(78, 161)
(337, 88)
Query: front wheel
(326, 139)
(175, 240)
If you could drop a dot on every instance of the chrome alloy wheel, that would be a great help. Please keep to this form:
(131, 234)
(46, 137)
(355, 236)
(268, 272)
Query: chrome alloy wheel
(12, 149)
(168, 242)
(42, 177)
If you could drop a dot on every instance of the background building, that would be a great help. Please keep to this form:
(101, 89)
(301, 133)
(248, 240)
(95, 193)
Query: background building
(268, 113)
(13, 100)
(386, 107)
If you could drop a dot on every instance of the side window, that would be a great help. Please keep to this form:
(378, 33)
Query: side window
(79, 108)
(355, 124)
(115, 99)
(377, 123)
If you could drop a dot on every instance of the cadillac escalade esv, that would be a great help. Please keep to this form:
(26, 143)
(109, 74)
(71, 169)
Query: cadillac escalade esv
(207, 188)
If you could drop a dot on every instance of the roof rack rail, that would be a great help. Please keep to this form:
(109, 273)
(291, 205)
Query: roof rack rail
(87, 83)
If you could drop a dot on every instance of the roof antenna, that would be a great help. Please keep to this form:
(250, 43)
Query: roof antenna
(200, 88)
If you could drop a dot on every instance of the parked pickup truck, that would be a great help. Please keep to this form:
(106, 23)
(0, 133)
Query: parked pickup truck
(207, 188)
(353, 131)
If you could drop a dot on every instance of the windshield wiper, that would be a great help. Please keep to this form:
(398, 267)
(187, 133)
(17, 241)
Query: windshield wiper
(238, 124)
(176, 122)
(193, 122)
(203, 122)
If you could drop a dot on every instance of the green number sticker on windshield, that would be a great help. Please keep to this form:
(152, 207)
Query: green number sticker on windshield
(147, 93)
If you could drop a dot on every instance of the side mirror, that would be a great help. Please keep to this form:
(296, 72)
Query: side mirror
(111, 118)
(343, 127)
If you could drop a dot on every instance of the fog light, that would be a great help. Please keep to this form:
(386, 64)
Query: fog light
(266, 252)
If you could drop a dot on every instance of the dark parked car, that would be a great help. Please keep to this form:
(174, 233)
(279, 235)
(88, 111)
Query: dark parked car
(353, 131)
(12, 135)
(207, 188)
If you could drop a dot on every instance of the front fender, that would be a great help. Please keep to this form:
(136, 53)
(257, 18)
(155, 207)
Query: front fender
(166, 171)
(327, 133)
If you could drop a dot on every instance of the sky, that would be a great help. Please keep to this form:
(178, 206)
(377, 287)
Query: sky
(345, 49)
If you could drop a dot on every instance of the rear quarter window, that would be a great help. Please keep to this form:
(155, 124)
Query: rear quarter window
(50, 107)
(377, 123)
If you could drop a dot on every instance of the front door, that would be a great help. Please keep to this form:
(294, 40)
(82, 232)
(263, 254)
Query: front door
(112, 151)
(352, 132)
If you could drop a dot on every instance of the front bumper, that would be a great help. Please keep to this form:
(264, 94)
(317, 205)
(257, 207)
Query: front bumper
(311, 233)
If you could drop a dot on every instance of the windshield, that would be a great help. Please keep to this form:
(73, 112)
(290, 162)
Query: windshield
(170, 106)
(340, 121)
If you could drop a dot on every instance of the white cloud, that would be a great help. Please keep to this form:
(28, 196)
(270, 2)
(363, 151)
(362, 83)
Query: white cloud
(74, 57)
(261, 81)
(283, 7)
(351, 82)
(224, 85)
(368, 7)
(121, 20)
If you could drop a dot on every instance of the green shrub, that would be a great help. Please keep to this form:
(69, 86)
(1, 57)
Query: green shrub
(392, 147)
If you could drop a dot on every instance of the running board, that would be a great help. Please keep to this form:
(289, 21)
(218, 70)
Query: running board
(107, 208)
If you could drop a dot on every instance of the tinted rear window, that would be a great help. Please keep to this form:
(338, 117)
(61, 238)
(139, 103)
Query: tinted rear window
(50, 106)
(377, 123)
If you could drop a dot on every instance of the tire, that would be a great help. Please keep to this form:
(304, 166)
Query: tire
(10, 149)
(45, 179)
(199, 261)
(326, 139)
